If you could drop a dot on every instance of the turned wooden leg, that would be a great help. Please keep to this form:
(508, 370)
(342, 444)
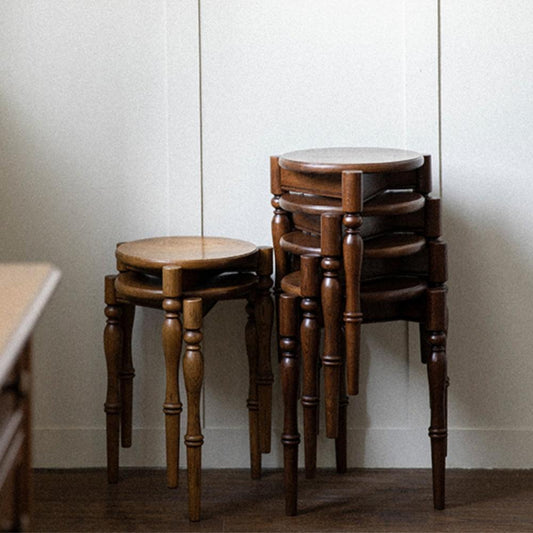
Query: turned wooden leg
(281, 224)
(253, 402)
(438, 431)
(425, 347)
(436, 327)
(172, 336)
(331, 310)
(113, 349)
(310, 345)
(127, 373)
(264, 316)
(341, 440)
(352, 205)
(288, 318)
(193, 373)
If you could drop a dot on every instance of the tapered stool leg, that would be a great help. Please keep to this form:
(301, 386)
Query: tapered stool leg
(193, 373)
(253, 402)
(331, 310)
(127, 373)
(112, 348)
(172, 336)
(341, 447)
(288, 318)
(438, 432)
(310, 341)
(438, 384)
(264, 317)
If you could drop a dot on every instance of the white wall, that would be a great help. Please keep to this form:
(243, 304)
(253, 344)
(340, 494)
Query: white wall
(133, 118)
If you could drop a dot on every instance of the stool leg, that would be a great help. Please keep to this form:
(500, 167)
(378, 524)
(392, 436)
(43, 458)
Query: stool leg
(264, 317)
(112, 348)
(331, 310)
(425, 347)
(436, 328)
(310, 343)
(172, 337)
(193, 372)
(438, 432)
(127, 373)
(341, 440)
(288, 317)
(253, 402)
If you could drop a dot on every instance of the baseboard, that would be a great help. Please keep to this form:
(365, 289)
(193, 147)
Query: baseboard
(228, 448)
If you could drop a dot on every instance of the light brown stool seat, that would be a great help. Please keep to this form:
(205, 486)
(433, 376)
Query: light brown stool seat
(133, 285)
(186, 276)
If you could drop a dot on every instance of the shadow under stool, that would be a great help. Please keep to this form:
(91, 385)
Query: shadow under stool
(357, 240)
(185, 277)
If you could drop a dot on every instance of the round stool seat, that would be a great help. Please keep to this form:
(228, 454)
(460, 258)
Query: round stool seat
(142, 287)
(326, 160)
(198, 253)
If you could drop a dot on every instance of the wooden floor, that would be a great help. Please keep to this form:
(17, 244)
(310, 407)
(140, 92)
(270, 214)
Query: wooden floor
(362, 500)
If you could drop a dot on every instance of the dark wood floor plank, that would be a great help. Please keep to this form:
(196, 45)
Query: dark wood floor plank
(361, 500)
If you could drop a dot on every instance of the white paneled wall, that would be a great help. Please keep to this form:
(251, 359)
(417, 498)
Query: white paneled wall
(487, 140)
(126, 119)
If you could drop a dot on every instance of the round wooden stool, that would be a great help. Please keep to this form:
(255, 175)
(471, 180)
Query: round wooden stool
(357, 240)
(186, 276)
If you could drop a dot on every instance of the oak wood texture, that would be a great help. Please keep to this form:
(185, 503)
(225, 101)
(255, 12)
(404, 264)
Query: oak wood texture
(200, 253)
(186, 288)
(324, 160)
(369, 500)
(25, 289)
(385, 262)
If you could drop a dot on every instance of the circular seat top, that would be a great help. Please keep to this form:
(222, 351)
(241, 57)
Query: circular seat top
(188, 252)
(324, 160)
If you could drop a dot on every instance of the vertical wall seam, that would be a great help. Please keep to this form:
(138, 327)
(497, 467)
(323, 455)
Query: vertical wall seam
(201, 141)
(439, 90)
(200, 111)
(167, 90)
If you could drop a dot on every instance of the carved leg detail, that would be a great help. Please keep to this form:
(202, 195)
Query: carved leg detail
(193, 373)
(172, 337)
(438, 431)
(253, 402)
(264, 317)
(112, 348)
(310, 345)
(331, 310)
(425, 347)
(341, 440)
(288, 315)
(127, 373)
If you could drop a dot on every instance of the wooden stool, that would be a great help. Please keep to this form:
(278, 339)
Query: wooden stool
(186, 276)
(361, 219)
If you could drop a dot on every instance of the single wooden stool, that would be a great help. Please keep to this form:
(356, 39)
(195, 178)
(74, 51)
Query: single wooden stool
(356, 239)
(186, 276)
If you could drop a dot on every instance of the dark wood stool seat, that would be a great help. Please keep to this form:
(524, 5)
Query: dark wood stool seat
(186, 276)
(390, 290)
(357, 240)
(388, 245)
(384, 203)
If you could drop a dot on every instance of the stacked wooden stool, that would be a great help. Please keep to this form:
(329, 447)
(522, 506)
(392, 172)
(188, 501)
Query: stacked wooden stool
(356, 239)
(186, 276)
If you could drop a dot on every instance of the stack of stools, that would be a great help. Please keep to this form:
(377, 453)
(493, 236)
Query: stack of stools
(186, 276)
(356, 240)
